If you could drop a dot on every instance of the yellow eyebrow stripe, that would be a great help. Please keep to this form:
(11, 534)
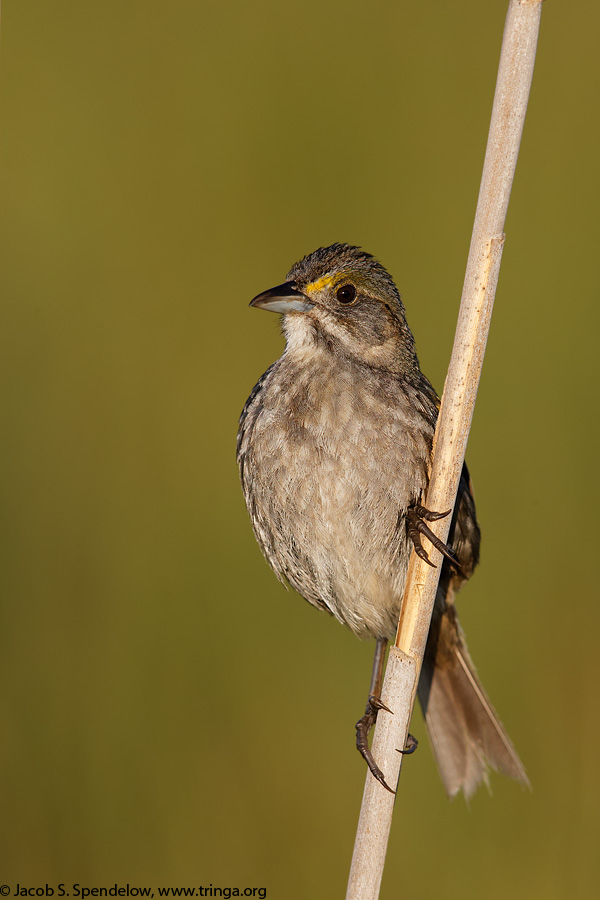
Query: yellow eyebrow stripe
(321, 283)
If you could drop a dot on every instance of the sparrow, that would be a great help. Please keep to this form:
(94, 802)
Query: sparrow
(334, 449)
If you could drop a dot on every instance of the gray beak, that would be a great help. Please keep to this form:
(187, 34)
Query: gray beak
(285, 298)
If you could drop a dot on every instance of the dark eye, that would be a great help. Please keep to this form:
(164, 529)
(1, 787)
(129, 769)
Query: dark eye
(346, 293)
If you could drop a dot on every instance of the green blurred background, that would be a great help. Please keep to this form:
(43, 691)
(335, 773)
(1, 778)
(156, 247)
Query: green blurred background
(159, 689)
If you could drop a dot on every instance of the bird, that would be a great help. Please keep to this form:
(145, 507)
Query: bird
(334, 448)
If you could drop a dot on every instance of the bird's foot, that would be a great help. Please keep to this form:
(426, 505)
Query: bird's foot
(416, 524)
(364, 726)
(411, 745)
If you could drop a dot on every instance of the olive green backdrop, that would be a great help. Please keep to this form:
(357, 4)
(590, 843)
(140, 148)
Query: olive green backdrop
(170, 715)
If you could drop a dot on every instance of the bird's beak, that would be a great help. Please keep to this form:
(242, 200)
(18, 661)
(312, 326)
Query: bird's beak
(285, 298)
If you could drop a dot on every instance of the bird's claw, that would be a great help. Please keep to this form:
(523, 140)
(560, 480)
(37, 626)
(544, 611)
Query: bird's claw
(416, 519)
(377, 703)
(363, 727)
(410, 746)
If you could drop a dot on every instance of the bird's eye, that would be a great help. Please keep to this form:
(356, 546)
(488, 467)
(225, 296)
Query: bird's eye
(346, 294)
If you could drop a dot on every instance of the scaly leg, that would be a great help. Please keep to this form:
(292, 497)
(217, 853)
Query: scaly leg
(374, 704)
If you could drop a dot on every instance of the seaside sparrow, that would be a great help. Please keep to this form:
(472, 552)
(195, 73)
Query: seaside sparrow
(334, 448)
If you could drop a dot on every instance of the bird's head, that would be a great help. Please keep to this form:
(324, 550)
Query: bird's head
(344, 300)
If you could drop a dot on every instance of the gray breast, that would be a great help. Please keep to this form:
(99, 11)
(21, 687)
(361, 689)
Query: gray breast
(331, 457)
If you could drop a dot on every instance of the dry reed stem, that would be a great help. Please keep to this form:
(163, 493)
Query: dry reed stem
(483, 265)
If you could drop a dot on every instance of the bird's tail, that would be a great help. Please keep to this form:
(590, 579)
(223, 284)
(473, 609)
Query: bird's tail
(466, 734)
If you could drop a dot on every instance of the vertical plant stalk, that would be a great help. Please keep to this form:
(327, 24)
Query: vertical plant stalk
(483, 265)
